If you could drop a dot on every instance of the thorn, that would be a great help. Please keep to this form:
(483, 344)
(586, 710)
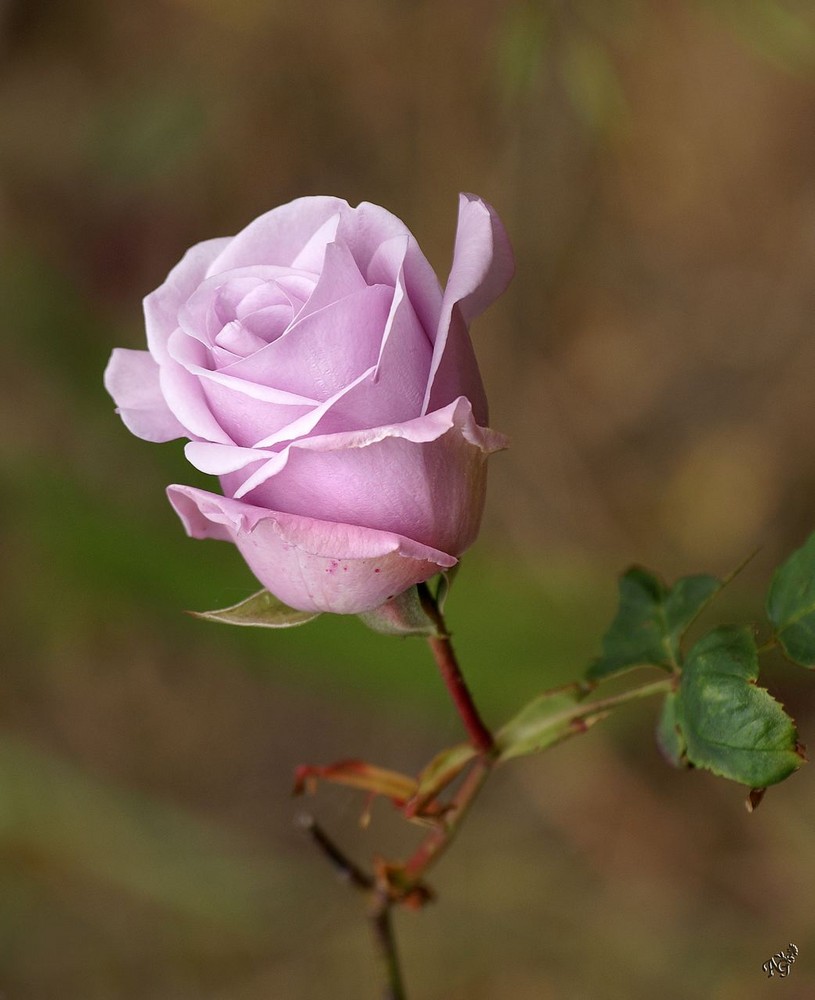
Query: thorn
(754, 799)
(365, 817)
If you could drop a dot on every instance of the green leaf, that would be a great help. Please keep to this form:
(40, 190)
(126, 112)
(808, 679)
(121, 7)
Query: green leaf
(730, 726)
(401, 615)
(670, 740)
(261, 609)
(791, 604)
(651, 620)
(551, 717)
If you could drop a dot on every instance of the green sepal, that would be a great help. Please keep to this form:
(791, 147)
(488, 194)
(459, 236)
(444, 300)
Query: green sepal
(445, 582)
(651, 620)
(548, 719)
(404, 614)
(791, 605)
(262, 610)
(729, 725)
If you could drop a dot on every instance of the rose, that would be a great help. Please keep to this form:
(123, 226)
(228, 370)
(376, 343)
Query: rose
(320, 371)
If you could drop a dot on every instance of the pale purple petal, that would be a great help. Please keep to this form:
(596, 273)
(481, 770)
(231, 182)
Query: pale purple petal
(249, 412)
(339, 278)
(309, 564)
(184, 392)
(312, 256)
(278, 236)
(306, 423)
(224, 459)
(456, 372)
(483, 263)
(132, 378)
(424, 479)
(482, 268)
(193, 507)
(161, 306)
(389, 392)
(224, 297)
(395, 391)
(321, 354)
(246, 411)
(383, 246)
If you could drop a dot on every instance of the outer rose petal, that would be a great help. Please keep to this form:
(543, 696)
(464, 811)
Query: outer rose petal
(382, 246)
(132, 378)
(161, 306)
(279, 236)
(311, 565)
(483, 263)
(425, 478)
(482, 268)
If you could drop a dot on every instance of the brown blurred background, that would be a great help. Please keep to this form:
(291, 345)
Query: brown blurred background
(653, 363)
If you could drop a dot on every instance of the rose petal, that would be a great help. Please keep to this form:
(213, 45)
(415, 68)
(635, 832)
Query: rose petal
(184, 392)
(482, 268)
(483, 263)
(424, 479)
(306, 423)
(132, 378)
(321, 354)
(389, 392)
(225, 297)
(309, 564)
(223, 459)
(237, 411)
(382, 246)
(237, 341)
(161, 306)
(339, 278)
(312, 256)
(395, 391)
(278, 236)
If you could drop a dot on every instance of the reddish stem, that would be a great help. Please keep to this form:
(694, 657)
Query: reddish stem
(440, 839)
(480, 736)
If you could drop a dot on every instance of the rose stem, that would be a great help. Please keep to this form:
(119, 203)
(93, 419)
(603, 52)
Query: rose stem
(380, 913)
(385, 940)
(440, 644)
(440, 838)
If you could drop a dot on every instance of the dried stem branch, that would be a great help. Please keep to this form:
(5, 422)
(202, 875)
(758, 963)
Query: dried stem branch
(345, 868)
(380, 911)
(381, 919)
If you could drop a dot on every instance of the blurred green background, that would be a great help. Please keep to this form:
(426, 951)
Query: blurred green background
(653, 363)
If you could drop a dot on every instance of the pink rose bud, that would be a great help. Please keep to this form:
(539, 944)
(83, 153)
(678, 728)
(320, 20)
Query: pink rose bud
(317, 367)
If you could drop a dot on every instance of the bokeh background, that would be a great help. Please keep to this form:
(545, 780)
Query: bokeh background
(653, 362)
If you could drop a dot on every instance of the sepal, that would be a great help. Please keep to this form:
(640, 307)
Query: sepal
(262, 609)
(404, 615)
